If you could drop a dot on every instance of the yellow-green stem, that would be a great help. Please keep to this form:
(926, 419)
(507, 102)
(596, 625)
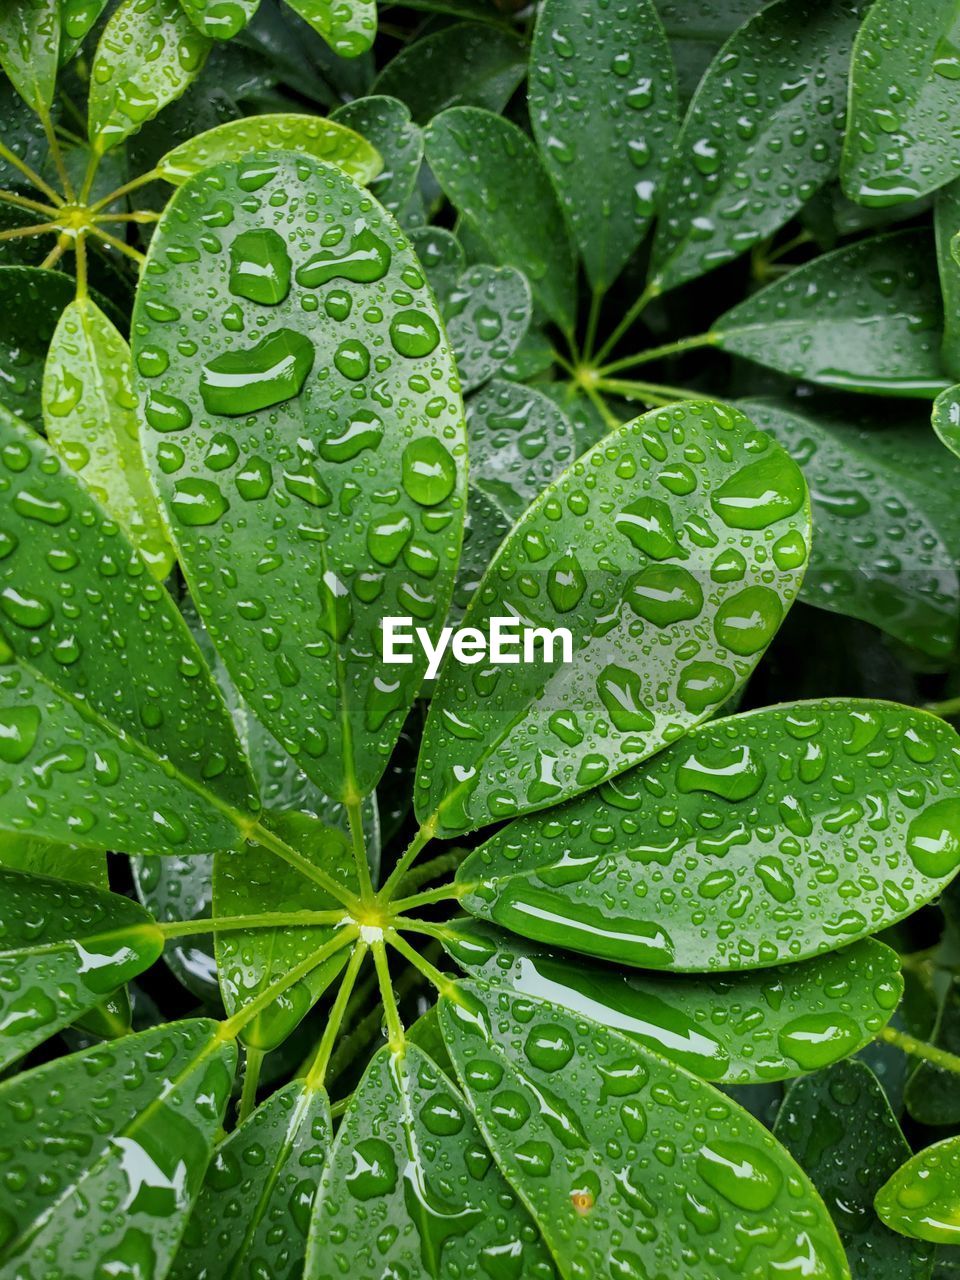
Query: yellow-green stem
(262, 920)
(429, 971)
(654, 393)
(318, 1070)
(676, 348)
(949, 707)
(416, 846)
(443, 894)
(394, 1025)
(920, 1049)
(53, 142)
(251, 1080)
(24, 202)
(133, 185)
(354, 808)
(270, 840)
(632, 315)
(120, 245)
(31, 175)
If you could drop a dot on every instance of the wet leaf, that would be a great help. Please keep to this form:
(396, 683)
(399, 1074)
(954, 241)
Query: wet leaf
(556, 1094)
(31, 303)
(839, 1128)
(486, 527)
(77, 19)
(604, 113)
(323, 381)
(386, 125)
(491, 173)
(159, 770)
(48, 858)
(763, 133)
(220, 19)
(441, 255)
(703, 858)
(931, 1092)
(946, 418)
(744, 1029)
(922, 1199)
(486, 314)
(903, 87)
(410, 1189)
(697, 29)
(649, 564)
(348, 26)
(175, 888)
(30, 49)
(946, 224)
(128, 1128)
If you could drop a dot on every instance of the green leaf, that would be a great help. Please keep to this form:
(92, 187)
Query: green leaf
(903, 87)
(533, 358)
(946, 222)
(486, 315)
(604, 113)
(649, 564)
(158, 770)
(253, 880)
(839, 1128)
(220, 19)
(77, 19)
(441, 255)
(474, 153)
(30, 49)
(463, 65)
(323, 380)
(555, 1095)
(763, 133)
(175, 888)
(31, 302)
(931, 1092)
(922, 1199)
(312, 135)
(89, 410)
(758, 840)
(744, 1029)
(386, 125)
(64, 947)
(251, 1216)
(486, 526)
(348, 26)
(49, 858)
(105, 1150)
(865, 318)
(946, 418)
(520, 441)
(904, 577)
(148, 55)
(409, 1188)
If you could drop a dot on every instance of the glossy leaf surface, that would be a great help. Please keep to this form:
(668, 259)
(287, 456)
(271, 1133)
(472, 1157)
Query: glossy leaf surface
(702, 858)
(128, 1128)
(30, 49)
(49, 858)
(946, 418)
(77, 18)
(474, 152)
(604, 113)
(386, 124)
(31, 303)
(220, 19)
(156, 770)
(864, 318)
(671, 581)
(348, 26)
(930, 1095)
(176, 888)
(410, 1189)
(946, 225)
(486, 314)
(322, 383)
(555, 1095)
(922, 1199)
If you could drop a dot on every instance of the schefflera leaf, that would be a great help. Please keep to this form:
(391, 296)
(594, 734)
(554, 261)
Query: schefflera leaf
(348, 26)
(743, 1029)
(305, 430)
(30, 49)
(104, 1151)
(253, 1211)
(671, 551)
(411, 1190)
(112, 731)
(604, 113)
(630, 1166)
(31, 303)
(922, 1199)
(760, 839)
(220, 19)
(63, 947)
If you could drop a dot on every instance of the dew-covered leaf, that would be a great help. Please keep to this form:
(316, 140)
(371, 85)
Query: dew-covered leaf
(604, 113)
(442, 257)
(696, 30)
(313, 135)
(903, 577)
(176, 888)
(946, 418)
(89, 411)
(743, 1029)
(473, 154)
(865, 318)
(486, 526)
(757, 840)
(931, 1094)
(946, 222)
(316, 433)
(411, 1190)
(220, 19)
(348, 26)
(839, 1128)
(671, 552)
(105, 1150)
(250, 1219)
(30, 49)
(486, 314)
(77, 19)
(763, 133)
(556, 1094)
(903, 94)
(922, 1199)
(148, 55)
(63, 948)
(31, 303)
(386, 125)
(157, 769)
(39, 857)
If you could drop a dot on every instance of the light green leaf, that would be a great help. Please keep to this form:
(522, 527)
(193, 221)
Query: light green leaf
(903, 88)
(763, 133)
(250, 1218)
(322, 380)
(49, 858)
(220, 19)
(30, 49)
(386, 125)
(486, 314)
(348, 26)
(604, 113)
(314, 136)
(946, 221)
(148, 55)
(744, 1029)
(922, 1199)
(671, 581)
(104, 1151)
(946, 418)
(77, 18)
(89, 410)
(703, 858)
(556, 1094)
(473, 154)
(409, 1189)
(157, 771)
(31, 302)
(866, 318)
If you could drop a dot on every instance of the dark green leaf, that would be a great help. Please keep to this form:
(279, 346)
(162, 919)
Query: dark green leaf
(486, 314)
(759, 839)
(922, 1199)
(31, 303)
(946, 221)
(30, 49)
(175, 888)
(387, 126)
(931, 1096)
(486, 526)
(62, 861)
(441, 255)
(348, 26)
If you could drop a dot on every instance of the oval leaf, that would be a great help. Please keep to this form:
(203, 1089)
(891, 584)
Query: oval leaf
(31, 303)
(946, 222)
(486, 314)
(175, 888)
(30, 49)
(930, 1095)
(922, 1199)
(946, 418)
(348, 26)
(386, 125)
(220, 19)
